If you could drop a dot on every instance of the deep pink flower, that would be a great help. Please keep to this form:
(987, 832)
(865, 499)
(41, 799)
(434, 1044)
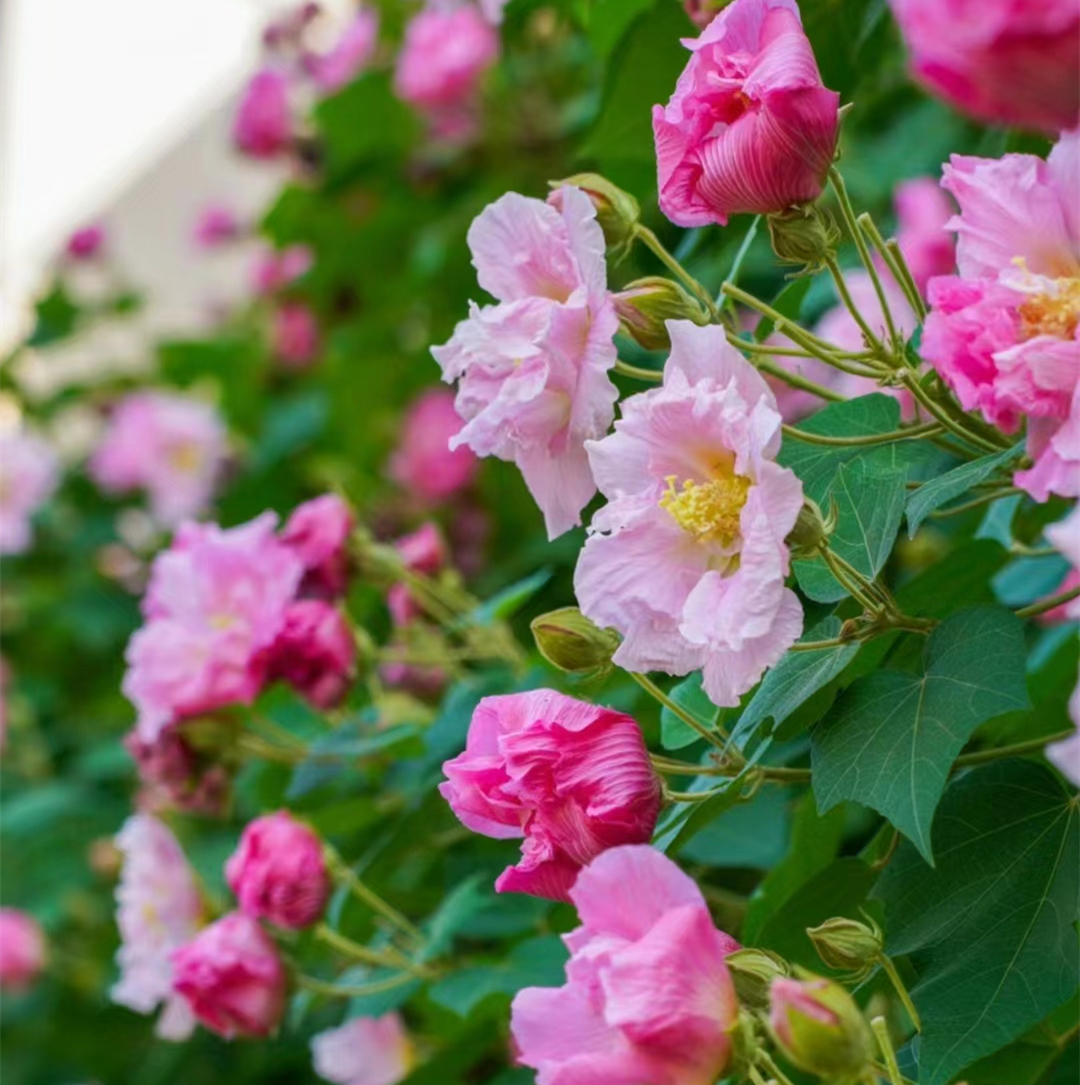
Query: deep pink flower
(318, 534)
(29, 475)
(422, 552)
(569, 777)
(171, 446)
(175, 776)
(1010, 62)
(446, 51)
(275, 269)
(158, 909)
(315, 652)
(216, 225)
(264, 121)
(278, 872)
(750, 127)
(350, 56)
(363, 1051)
(1066, 537)
(232, 978)
(86, 243)
(533, 370)
(424, 463)
(296, 335)
(1004, 333)
(688, 559)
(22, 950)
(648, 996)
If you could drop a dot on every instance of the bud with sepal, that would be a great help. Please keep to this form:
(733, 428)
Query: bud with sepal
(848, 945)
(753, 971)
(646, 305)
(804, 235)
(572, 643)
(617, 212)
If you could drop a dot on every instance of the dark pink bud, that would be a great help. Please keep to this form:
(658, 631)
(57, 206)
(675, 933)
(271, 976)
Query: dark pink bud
(264, 122)
(87, 243)
(315, 652)
(22, 950)
(296, 335)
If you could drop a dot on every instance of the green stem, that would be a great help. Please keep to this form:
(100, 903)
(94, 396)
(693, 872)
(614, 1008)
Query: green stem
(637, 372)
(365, 954)
(653, 243)
(905, 434)
(976, 502)
(670, 767)
(766, 1060)
(693, 796)
(960, 426)
(1018, 749)
(869, 334)
(901, 990)
(714, 737)
(752, 347)
(794, 379)
(1052, 601)
(343, 872)
(337, 990)
(819, 645)
(881, 1034)
(896, 263)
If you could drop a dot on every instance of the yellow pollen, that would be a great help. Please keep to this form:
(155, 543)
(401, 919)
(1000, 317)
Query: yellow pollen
(1056, 314)
(185, 457)
(707, 510)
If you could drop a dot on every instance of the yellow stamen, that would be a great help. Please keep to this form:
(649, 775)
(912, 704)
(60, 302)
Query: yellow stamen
(707, 510)
(1055, 314)
(185, 457)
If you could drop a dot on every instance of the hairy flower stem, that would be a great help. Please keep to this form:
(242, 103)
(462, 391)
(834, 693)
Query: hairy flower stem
(346, 875)
(794, 380)
(714, 736)
(766, 1060)
(360, 990)
(654, 245)
(1032, 745)
(869, 334)
(1050, 603)
(976, 502)
(637, 372)
(894, 978)
(926, 429)
(894, 259)
(388, 958)
(881, 1034)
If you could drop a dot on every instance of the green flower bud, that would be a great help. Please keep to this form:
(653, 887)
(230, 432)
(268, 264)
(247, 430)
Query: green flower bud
(810, 531)
(848, 945)
(752, 971)
(804, 235)
(646, 304)
(569, 641)
(617, 212)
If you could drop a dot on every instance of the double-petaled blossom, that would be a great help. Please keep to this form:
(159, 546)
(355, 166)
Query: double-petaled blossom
(533, 370)
(216, 225)
(1066, 537)
(571, 778)
(1005, 333)
(648, 997)
(29, 474)
(363, 1051)
(22, 950)
(318, 532)
(263, 127)
(174, 775)
(296, 336)
(424, 463)
(232, 978)
(350, 55)
(86, 243)
(315, 652)
(750, 127)
(688, 559)
(1008, 62)
(171, 446)
(216, 599)
(278, 871)
(158, 910)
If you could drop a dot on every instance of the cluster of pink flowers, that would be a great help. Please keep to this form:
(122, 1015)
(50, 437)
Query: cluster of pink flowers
(171, 446)
(22, 950)
(29, 475)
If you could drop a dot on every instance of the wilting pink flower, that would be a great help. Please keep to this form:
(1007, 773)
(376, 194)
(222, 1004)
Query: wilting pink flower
(275, 269)
(216, 599)
(264, 122)
(424, 463)
(158, 909)
(445, 52)
(22, 950)
(232, 978)
(296, 335)
(1066, 537)
(1008, 62)
(422, 552)
(216, 225)
(569, 777)
(278, 871)
(87, 243)
(688, 559)
(533, 370)
(363, 1051)
(648, 996)
(318, 534)
(1004, 333)
(350, 56)
(29, 474)
(171, 446)
(923, 212)
(175, 776)
(750, 127)
(315, 652)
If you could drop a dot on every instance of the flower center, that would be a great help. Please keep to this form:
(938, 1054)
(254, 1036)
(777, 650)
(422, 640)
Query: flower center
(1055, 313)
(709, 511)
(185, 457)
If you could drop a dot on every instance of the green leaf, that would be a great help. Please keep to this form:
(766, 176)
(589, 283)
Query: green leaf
(893, 736)
(610, 19)
(681, 821)
(506, 603)
(935, 493)
(688, 694)
(990, 931)
(751, 834)
(330, 754)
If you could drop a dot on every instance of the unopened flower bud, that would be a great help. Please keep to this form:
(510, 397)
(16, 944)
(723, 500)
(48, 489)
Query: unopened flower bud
(753, 971)
(811, 530)
(617, 211)
(848, 945)
(646, 305)
(569, 641)
(820, 1029)
(804, 235)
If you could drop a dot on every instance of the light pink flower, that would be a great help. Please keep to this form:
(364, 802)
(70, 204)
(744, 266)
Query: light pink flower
(493, 10)
(318, 534)
(216, 225)
(158, 909)
(171, 446)
(350, 56)
(533, 370)
(363, 1051)
(750, 127)
(278, 871)
(923, 212)
(216, 599)
(1065, 535)
(86, 243)
(422, 552)
(424, 463)
(232, 978)
(1009, 62)
(688, 559)
(447, 49)
(648, 996)
(296, 335)
(29, 475)
(264, 123)
(571, 778)
(22, 950)
(175, 776)
(275, 269)
(1004, 333)
(314, 652)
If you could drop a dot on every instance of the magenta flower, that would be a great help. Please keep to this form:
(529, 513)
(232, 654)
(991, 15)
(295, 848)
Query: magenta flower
(688, 559)
(275, 269)
(171, 446)
(750, 127)
(216, 225)
(337, 68)
(318, 534)
(1003, 334)
(232, 978)
(175, 776)
(314, 652)
(363, 1051)
(533, 370)
(648, 995)
(22, 950)
(424, 463)
(571, 778)
(86, 243)
(278, 872)
(1066, 537)
(29, 475)
(158, 909)
(1009, 62)
(264, 123)
(296, 335)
